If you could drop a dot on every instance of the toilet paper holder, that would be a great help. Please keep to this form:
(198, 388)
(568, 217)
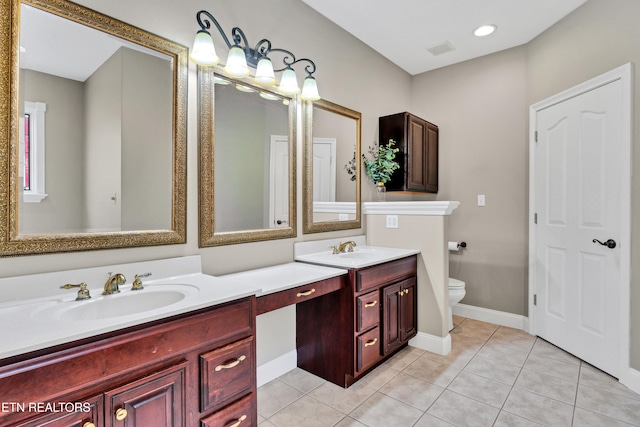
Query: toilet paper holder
(456, 246)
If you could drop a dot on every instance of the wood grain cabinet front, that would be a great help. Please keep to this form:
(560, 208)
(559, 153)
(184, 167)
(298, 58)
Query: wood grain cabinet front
(172, 372)
(238, 414)
(340, 335)
(417, 140)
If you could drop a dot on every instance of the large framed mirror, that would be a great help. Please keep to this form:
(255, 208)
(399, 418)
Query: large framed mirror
(331, 182)
(247, 161)
(92, 131)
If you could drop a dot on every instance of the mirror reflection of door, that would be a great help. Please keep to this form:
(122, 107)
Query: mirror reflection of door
(279, 182)
(324, 169)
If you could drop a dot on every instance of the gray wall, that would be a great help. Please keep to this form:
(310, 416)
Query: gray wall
(481, 107)
(62, 209)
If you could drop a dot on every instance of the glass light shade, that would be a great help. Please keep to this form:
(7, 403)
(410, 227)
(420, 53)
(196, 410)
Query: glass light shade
(269, 96)
(289, 83)
(236, 63)
(264, 73)
(203, 52)
(310, 89)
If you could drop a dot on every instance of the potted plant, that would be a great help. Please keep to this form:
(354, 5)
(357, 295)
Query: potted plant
(381, 165)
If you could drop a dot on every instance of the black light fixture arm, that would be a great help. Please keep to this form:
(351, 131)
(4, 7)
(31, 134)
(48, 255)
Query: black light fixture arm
(261, 50)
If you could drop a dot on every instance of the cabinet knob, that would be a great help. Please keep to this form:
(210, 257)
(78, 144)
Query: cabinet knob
(237, 422)
(88, 424)
(121, 414)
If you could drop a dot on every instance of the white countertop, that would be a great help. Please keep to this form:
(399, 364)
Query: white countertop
(285, 276)
(56, 318)
(319, 252)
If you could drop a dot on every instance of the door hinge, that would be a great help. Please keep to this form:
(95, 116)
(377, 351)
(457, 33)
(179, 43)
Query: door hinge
(536, 136)
(535, 299)
(535, 218)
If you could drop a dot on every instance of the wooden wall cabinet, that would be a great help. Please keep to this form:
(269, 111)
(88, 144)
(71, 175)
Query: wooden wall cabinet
(344, 334)
(194, 369)
(417, 140)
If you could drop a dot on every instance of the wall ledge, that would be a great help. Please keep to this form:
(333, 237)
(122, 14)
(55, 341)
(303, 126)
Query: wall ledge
(409, 208)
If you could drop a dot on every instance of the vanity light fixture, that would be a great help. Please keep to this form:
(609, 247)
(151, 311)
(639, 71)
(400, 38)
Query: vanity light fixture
(484, 30)
(241, 57)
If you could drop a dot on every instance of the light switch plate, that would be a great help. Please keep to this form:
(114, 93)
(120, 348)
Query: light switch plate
(481, 200)
(392, 221)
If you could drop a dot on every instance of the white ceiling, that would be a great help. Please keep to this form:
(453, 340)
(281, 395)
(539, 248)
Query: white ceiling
(403, 30)
(54, 45)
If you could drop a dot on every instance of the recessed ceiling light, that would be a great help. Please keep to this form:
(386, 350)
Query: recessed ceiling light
(484, 30)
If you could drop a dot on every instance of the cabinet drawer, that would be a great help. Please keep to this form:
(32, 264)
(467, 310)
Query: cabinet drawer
(299, 294)
(368, 345)
(368, 307)
(90, 411)
(227, 373)
(375, 276)
(238, 414)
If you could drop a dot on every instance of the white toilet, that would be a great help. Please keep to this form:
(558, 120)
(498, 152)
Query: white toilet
(456, 293)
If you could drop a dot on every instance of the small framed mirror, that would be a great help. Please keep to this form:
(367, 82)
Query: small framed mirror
(332, 167)
(247, 161)
(93, 132)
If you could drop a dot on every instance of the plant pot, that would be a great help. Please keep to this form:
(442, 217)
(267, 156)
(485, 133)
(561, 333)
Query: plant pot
(381, 192)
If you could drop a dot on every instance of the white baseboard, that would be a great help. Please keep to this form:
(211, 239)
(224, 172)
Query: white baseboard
(279, 366)
(492, 316)
(431, 343)
(631, 380)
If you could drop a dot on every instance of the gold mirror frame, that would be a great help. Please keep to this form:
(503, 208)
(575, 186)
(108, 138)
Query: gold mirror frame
(208, 234)
(308, 224)
(12, 243)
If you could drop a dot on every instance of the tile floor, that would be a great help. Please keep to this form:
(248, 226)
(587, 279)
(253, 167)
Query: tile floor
(493, 376)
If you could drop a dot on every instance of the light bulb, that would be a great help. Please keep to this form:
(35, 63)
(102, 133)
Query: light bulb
(264, 73)
(236, 63)
(203, 52)
(289, 83)
(310, 89)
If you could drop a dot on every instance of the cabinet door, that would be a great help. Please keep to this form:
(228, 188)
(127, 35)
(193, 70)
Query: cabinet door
(157, 400)
(88, 413)
(391, 338)
(408, 310)
(417, 151)
(431, 160)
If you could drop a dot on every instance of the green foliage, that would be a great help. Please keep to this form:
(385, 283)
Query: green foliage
(382, 164)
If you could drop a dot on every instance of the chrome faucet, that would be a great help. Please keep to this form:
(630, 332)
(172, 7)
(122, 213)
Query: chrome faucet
(342, 246)
(113, 283)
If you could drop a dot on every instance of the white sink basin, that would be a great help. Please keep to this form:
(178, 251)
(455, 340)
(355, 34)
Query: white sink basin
(125, 303)
(362, 256)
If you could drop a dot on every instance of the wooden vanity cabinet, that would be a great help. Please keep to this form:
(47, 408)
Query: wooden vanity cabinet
(417, 140)
(343, 335)
(188, 370)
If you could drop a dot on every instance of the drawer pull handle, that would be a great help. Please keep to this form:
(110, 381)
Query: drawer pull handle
(121, 414)
(88, 424)
(371, 304)
(371, 342)
(230, 364)
(305, 293)
(238, 421)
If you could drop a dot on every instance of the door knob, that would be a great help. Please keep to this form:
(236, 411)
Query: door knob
(609, 243)
(279, 222)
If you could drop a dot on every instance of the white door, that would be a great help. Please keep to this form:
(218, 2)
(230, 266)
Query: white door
(324, 169)
(279, 182)
(581, 197)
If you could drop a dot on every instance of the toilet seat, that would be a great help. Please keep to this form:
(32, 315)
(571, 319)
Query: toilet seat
(455, 284)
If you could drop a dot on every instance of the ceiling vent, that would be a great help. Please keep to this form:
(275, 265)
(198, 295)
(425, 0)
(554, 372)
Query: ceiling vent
(441, 48)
